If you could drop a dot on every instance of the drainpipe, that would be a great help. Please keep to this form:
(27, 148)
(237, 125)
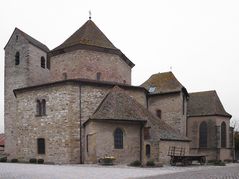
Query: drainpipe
(141, 142)
(81, 158)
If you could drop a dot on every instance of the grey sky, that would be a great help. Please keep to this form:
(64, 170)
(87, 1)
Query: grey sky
(198, 38)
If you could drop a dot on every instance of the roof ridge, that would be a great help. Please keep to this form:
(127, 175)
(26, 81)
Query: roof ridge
(33, 41)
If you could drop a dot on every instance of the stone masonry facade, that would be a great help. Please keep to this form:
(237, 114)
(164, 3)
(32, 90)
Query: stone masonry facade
(17, 76)
(86, 64)
(54, 94)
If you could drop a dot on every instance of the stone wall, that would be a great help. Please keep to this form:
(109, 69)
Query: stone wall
(37, 74)
(154, 151)
(59, 127)
(86, 64)
(213, 150)
(171, 106)
(18, 76)
(102, 144)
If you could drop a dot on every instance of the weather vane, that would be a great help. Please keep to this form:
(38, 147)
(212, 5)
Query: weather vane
(90, 14)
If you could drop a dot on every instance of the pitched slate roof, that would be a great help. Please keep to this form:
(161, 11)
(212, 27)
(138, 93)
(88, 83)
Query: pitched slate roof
(163, 131)
(118, 105)
(88, 34)
(2, 140)
(31, 40)
(163, 83)
(205, 103)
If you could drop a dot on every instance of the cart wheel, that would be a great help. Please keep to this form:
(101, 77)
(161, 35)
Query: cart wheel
(172, 162)
(202, 160)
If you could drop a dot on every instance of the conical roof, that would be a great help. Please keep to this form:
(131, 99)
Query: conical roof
(88, 34)
(205, 103)
(117, 105)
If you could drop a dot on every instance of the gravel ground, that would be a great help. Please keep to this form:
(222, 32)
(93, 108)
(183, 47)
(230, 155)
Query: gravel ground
(34, 171)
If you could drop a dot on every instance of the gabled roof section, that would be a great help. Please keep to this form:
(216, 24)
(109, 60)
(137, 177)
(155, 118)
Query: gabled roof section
(163, 83)
(163, 131)
(117, 105)
(31, 40)
(88, 34)
(206, 103)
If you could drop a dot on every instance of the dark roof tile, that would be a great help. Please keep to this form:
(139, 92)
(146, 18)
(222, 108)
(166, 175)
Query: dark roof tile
(118, 105)
(205, 103)
(163, 83)
(88, 34)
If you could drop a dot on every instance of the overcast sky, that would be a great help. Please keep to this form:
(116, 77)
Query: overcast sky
(199, 39)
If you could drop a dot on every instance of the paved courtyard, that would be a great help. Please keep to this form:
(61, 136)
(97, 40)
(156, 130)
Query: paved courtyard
(33, 171)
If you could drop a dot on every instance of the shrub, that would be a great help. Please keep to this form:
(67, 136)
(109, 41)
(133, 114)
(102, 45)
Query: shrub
(107, 160)
(150, 163)
(14, 160)
(40, 161)
(3, 159)
(219, 163)
(33, 160)
(135, 163)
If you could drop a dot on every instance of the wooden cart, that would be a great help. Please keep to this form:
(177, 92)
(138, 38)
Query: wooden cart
(177, 155)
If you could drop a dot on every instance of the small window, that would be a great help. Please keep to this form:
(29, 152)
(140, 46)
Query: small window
(87, 143)
(41, 107)
(64, 76)
(98, 76)
(38, 108)
(203, 135)
(118, 139)
(148, 151)
(223, 135)
(152, 89)
(48, 63)
(41, 146)
(159, 113)
(16, 38)
(43, 62)
(17, 58)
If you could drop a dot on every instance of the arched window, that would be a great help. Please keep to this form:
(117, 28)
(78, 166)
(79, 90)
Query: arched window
(203, 135)
(118, 138)
(43, 107)
(43, 62)
(223, 135)
(17, 58)
(147, 151)
(38, 108)
(41, 146)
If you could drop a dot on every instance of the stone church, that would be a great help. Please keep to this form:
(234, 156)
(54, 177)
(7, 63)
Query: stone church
(76, 104)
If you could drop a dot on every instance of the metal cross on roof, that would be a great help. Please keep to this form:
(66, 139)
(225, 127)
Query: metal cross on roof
(90, 14)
